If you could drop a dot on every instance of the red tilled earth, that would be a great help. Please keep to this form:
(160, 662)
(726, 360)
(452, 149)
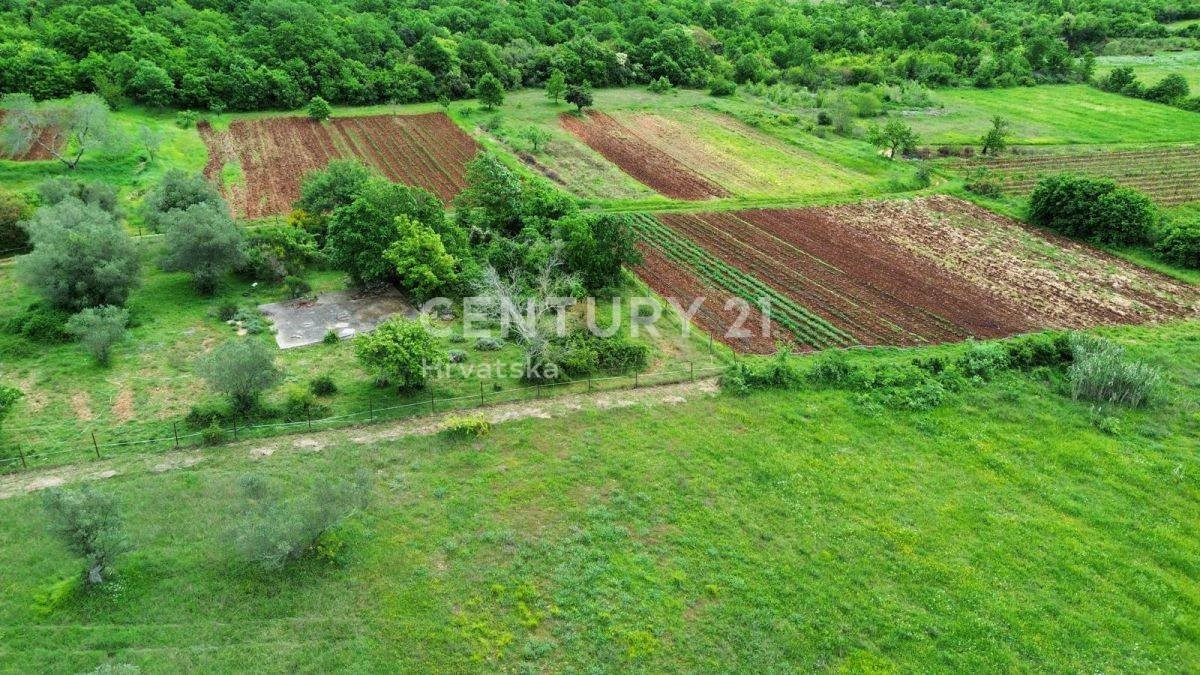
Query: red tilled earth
(640, 158)
(38, 152)
(427, 151)
(921, 271)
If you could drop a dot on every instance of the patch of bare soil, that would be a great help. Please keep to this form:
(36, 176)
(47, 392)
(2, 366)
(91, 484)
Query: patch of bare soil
(122, 408)
(81, 404)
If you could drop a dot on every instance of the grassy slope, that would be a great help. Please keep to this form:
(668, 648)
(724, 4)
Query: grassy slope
(1052, 115)
(782, 531)
(1151, 69)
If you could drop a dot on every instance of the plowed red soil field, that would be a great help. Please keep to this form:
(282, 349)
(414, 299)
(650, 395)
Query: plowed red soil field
(639, 158)
(274, 154)
(928, 270)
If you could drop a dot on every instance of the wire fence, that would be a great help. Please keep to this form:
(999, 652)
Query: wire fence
(99, 443)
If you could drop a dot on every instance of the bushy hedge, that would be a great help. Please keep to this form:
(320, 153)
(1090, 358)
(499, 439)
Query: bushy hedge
(1179, 243)
(1096, 209)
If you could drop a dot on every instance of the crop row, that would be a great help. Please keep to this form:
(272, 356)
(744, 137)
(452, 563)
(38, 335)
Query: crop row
(805, 325)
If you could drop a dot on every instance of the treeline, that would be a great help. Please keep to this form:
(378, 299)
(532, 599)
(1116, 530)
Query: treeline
(227, 54)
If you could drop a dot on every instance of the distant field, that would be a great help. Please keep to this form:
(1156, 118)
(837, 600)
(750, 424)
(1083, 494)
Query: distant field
(1170, 175)
(1151, 69)
(694, 154)
(271, 155)
(1053, 114)
(901, 272)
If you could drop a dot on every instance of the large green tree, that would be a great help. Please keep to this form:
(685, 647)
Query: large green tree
(203, 241)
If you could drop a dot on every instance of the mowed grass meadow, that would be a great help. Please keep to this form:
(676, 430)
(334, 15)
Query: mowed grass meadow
(1004, 530)
(1052, 115)
(1152, 68)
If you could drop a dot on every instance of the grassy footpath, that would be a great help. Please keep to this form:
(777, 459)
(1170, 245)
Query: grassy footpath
(782, 531)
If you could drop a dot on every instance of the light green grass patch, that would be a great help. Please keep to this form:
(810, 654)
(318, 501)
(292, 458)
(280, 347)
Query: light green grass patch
(1151, 69)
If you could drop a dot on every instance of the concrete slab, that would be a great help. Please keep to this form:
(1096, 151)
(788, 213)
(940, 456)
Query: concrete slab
(306, 322)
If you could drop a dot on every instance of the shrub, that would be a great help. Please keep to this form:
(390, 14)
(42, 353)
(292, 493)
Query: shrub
(89, 524)
(227, 311)
(300, 404)
(489, 344)
(720, 86)
(1042, 350)
(186, 119)
(660, 86)
(318, 109)
(456, 356)
(275, 252)
(273, 530)
(205, 415)
(241, 369)
(177, 191)
(583, 353)
(467, 426)
(834, 368)
(1092, 208)
(777, 373)
(212, 434)
(1102, 373)
(93, 193)
(1179, 243)
(98, 329)
(331, 337)
(983, 183)
(41, 323)
(322, 385)
(399, 349)
(983, 360)
(295, 287)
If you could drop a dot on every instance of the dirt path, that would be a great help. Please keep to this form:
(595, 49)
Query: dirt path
(17, 484)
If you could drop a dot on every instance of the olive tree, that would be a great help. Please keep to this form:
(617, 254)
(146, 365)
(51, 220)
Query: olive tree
(203, 241)
(98, 329)
(177, 191)
(89, 524)
(241, 369)
(81, 257)
(66, 130)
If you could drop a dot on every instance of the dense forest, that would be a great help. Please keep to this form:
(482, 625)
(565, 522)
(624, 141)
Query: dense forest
(232, 55)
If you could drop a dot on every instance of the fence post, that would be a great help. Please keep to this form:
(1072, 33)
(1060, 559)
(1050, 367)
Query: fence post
(175, 430)
(21, 451)
(96, 445)
(691, 371)
(235, 427)
(308, 418)
(710, 344)
(589, 383)
(432, 403)
(539, 390)
(481, 392)
(635, 379)
(371, 402)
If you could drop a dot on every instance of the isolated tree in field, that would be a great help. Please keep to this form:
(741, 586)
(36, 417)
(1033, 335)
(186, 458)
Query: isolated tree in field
(556, 85)
(399, 350)
(67, 129)
(81, 257)
(98, 329)
(89, 524)
(1179, 242)
(419, 256)
(241, 369)
(536, 136)
(996, 138)
(151, 139)
(596, 247)
(318, 109)
(490, 91)
(1172, 88)
(177, 191)
(203, 241)
(13, 210)
(893, 138)
(580, 96)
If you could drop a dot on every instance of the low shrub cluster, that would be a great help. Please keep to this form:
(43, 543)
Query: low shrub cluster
(466, 426)
(1101, 372)
(40, 322)
(581, 354)
(1095, 209)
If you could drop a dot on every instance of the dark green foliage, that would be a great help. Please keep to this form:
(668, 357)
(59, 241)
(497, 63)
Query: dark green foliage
(203, 241)
(241, 369)
(318, 109)
(490, 91)
(1179, 242)
(399, 350)
(338, 184)
(40, 322)
(296, 287)
(322, 385)
(581, 353)
(421, 264)
(489, 344)
(81, 257)
(720, 86)
(983, 360)
(556, 85)
(1041, 350)
(996, 138)
(580, 96)
(301, 405)
(275, 252)
(177, 191)
(894, 138)
(597, 246)
(88, 523)
(276, 527)
(983, 183)
(13, 210)
(1092, 208)
(1170, 90)
(8, 400)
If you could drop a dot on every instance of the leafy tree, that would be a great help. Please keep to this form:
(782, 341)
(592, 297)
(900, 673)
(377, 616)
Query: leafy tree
(177, 191)
(422, 264)
(996, 138)
(893, 138)
(490, 91)
(99, 329)
(399, 350)
(318, 109)
(93, 193)
(322, 191)
(151, 139)
(151, 85)
(720, 86)
(273, 253)
(580, 96)
(536, 136)
(361, 231)
(1169, 90)
(241, 369)
(1092, 208)
(67, 129)
(596, 247)
(556, 85)
(81, 257)
(1179, 243)
(13, 210)
(203, 241)
(89, 524)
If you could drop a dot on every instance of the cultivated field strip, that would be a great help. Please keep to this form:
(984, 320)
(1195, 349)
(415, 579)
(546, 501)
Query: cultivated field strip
(274, 154)
(1170, 175)
(921, 271)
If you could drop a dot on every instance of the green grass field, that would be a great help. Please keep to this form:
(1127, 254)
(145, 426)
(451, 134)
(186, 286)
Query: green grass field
(778, 532)
(1151, 69)
(1053, 115)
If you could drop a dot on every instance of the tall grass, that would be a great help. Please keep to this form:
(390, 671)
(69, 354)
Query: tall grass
(1102, 372)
